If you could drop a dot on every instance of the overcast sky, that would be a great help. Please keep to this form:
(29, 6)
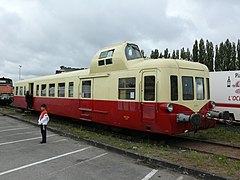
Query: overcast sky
(41, 35)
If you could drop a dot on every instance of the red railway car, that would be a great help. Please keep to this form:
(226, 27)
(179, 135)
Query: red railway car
(121, 88)
(6, 90)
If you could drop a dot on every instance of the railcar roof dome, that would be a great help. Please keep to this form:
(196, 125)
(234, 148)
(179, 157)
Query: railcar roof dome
(115, 57)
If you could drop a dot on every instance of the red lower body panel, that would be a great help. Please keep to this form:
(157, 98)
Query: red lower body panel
(132, 115)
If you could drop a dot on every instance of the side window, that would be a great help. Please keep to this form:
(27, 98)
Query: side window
(61, 89)
(37, 90)
(24, 90)
(105, 54)
(208, 88)
(149, 88)
(200, 88)
(127, 88)
(70, 89)
(105, 57)
(188, 90)
(16, 92)
(101, 63)
(86, 89)
(43, 90)
(174, 88)
(51, 90)
(21, 91)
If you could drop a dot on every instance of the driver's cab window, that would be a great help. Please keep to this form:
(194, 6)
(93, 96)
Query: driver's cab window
(132, 52)
(149, 88)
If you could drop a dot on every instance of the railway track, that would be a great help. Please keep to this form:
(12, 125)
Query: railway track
(209, 147)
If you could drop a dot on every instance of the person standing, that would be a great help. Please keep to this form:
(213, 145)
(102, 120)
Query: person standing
(43, 121)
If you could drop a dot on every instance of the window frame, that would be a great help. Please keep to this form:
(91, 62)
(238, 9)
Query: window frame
(49, 89)
(16, 91)
(21, 91)
(43, 95)
(203, 88)
(192, 89)
(60, 94)
(82, 89)
(176, 89)
(128, 90)
(136, 49)
(208, 88)
(146, 90)
(37, 89)
(71, 93)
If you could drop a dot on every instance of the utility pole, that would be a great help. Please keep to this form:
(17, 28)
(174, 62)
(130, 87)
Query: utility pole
(19, 75)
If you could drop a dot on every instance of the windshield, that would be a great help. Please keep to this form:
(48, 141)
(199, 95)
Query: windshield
(132, 52)
(5, 82)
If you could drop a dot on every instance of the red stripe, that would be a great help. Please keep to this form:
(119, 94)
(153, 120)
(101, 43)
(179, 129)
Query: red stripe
(228, 105)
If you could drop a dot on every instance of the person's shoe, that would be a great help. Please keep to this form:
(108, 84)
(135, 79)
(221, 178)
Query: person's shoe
(42, 142)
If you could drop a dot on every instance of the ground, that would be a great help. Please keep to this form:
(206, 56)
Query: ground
(23, 157)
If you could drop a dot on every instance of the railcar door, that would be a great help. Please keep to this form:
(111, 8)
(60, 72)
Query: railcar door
(148, 97)
(85, 99)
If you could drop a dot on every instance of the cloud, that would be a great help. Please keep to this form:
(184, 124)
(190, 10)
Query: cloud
(42, 35)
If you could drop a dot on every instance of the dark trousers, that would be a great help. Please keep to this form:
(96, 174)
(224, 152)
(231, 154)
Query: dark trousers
(44, 133)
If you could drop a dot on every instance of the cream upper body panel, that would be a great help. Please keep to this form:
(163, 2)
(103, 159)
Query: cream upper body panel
(111, 63)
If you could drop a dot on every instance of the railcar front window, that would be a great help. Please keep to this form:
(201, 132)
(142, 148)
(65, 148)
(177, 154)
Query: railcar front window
(3, 82)
(200, 88)
(126, 88)
(149, 88)
(51, 90)
(86, 89)
(174, 88)
(61, 89)
(208, 89)
(188, 90)
(70, 89)
(132, 52)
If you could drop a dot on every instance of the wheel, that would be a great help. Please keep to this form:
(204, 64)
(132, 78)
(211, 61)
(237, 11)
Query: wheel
(230, 121)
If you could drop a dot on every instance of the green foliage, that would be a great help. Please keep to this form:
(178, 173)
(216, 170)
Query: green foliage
(224, 57)
(195, 51)
(154, 54)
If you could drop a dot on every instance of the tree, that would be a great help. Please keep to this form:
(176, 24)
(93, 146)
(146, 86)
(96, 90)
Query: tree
(233, 57)
(182, 53)
(177, 54)
(209, 55)
(173, 54)
(221, 54)
(217, 66)
(195, 51)
(238, 55)
(143, 54)
(165, 54)
(202, 52)
(188, 54)
(154, 54)
(227, 55)
(161, 55)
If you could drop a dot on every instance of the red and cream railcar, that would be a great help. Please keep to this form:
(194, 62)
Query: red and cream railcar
(123, 89)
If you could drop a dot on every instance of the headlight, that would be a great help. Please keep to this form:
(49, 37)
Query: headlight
(213, 104)
(169, 107)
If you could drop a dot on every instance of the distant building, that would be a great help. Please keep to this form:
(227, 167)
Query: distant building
(67, 69)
